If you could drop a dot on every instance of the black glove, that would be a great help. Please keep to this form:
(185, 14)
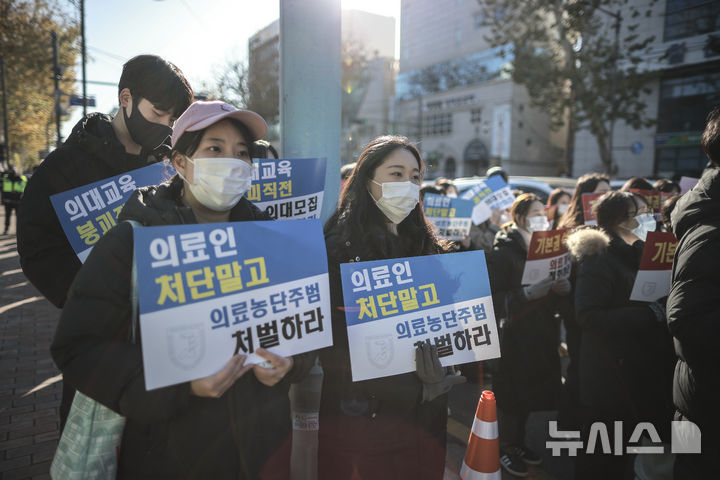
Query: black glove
(436, 380)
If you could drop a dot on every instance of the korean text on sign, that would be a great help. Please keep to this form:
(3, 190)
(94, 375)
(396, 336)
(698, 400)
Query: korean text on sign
(87, 213)
(654, 275)
(450, 216)
(210, 291)
(288, 188)
(547, 256)
(393, 305)
(488, 195)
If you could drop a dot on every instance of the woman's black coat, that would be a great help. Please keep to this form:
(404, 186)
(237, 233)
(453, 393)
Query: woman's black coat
(528, 377)
(169, 433)
(626, 356)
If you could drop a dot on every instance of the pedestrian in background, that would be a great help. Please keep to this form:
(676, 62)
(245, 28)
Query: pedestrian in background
(528, 374)
(625, 364)
(560, 199)
(13, 186)
(694, 310)
(636, 183)
(667, 186)
(588, 183)
(232, 424)
(392, 427)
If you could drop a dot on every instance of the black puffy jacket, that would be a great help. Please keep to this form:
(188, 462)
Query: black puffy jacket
(528, 377)
(693, 307)
(92, 152)
(169, 433)
(626, 355)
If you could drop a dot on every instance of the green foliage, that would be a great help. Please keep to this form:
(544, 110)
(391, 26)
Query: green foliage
(565, 56)
(25, 45)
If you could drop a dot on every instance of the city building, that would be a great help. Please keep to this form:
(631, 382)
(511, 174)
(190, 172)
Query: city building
(685, 55)
(368, 92)
(454, 98)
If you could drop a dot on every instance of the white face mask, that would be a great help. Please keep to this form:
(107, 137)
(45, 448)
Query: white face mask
(538, 224)
(219, 183)
(562, 208)
(646, 223)
(398, 199)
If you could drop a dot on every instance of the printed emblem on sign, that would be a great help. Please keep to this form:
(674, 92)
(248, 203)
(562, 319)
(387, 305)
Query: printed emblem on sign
(534, 274)
(379, 350)
(648, 288)
(186, 345)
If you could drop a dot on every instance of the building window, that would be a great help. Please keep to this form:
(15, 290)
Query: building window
(476, 115)
(478, 21)
(685, 102)
(439, 124)
(686, 160)
(687, 18)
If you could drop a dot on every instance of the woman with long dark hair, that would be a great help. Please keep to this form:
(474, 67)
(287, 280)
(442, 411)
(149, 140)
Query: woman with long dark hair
(626, 359)
(588, 183)
(392, 427)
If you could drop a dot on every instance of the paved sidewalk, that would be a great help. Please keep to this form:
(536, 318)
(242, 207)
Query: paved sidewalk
(30, 384)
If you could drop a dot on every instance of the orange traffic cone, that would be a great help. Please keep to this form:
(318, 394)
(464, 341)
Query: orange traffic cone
(482, 458)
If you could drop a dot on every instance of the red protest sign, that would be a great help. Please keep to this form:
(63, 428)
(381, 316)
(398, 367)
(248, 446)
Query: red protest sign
(589, 200)
(547, 244)
(654, 198)
(659, 251)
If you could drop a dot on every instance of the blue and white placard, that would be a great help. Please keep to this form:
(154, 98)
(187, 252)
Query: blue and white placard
(393, 305)
(87, 213)
(450, 216)
(209, 291)
(490, 194)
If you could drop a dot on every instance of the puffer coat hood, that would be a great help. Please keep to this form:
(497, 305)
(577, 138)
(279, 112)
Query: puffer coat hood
(585, 242)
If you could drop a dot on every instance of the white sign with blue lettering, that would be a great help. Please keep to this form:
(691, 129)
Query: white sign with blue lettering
(488, 195)
(391, 306)
(209, 291)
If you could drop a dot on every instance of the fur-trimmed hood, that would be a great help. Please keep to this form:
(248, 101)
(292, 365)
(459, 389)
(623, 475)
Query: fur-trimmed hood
(585, 242)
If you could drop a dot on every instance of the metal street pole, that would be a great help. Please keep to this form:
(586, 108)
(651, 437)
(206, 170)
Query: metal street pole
(56, 78)
(84, 58)
(5, 120)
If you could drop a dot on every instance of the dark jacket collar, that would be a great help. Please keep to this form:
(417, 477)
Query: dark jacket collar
(630, 255)
(511, 238)
(699, 205)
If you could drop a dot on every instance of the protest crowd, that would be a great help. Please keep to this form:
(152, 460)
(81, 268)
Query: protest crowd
(405, 291)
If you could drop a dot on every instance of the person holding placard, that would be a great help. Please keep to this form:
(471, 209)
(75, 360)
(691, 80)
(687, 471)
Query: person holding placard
(232, 424)
(391, 427)
(626, 358)
(588, 183)
(528, 374)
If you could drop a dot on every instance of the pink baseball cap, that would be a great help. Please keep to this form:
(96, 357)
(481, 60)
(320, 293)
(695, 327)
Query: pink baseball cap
(202, 114)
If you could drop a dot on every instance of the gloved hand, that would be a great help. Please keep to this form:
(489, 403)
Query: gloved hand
(435, 378)
(562, 287)
(539, 289)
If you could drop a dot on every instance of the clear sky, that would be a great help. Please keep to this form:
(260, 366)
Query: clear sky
(199, 36)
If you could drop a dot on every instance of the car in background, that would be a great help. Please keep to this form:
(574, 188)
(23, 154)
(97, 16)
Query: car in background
(523, 184)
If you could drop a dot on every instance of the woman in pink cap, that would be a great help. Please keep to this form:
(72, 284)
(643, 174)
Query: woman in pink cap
(233, 424)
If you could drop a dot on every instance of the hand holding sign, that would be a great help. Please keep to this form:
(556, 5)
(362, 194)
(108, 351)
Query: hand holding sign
(217, 384)
(280, 367)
